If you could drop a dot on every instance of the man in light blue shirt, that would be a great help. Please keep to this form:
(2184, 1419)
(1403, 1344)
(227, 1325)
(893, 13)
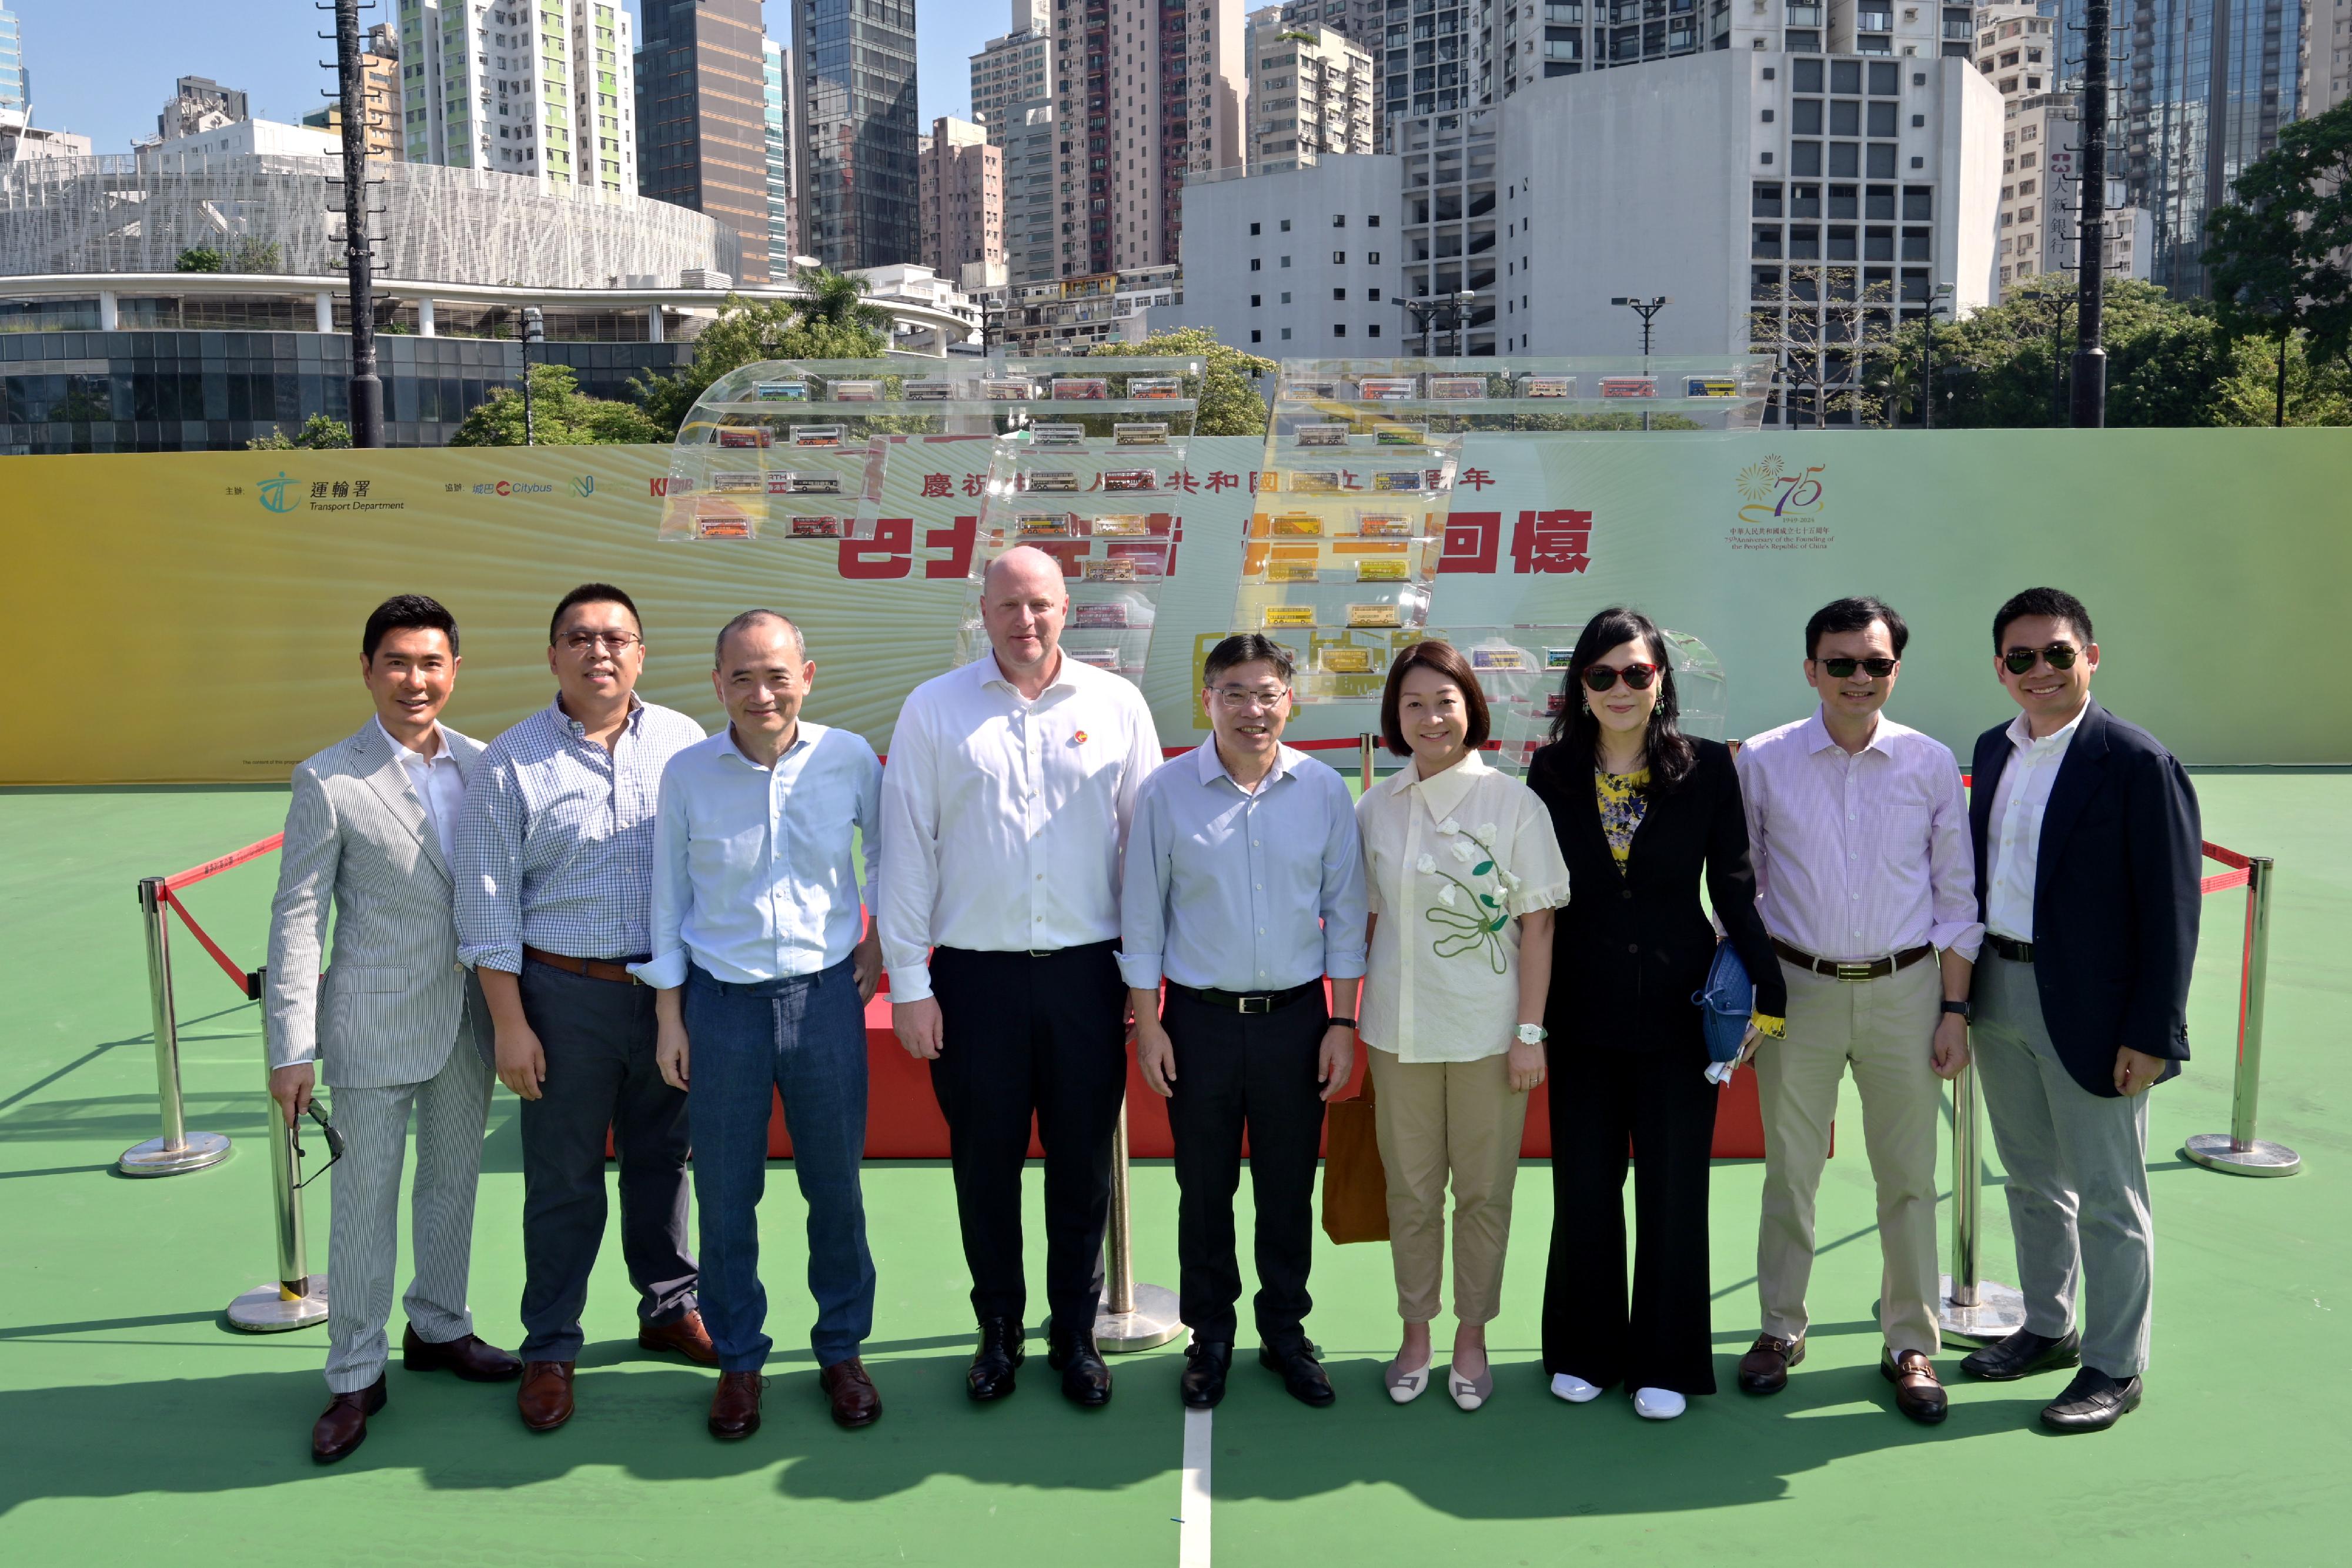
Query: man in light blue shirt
(1244, 892)
(761, 970)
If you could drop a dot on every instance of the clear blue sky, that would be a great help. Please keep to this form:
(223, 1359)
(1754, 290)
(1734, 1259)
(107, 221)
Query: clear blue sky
(103, 67)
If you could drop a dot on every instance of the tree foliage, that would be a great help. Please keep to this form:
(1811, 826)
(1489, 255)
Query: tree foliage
(199, 258)
(560, 415)
(317, 434)
(2279, 253)
(1230, 403)
(831, 321)
(1827, 332)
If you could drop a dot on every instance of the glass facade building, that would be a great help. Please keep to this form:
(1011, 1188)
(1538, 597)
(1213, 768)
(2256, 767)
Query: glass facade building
(701, 142)
(854, 147)
(13, 90)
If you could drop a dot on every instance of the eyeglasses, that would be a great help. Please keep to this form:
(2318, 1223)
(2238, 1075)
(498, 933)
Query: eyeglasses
(1843, 669)
(1601, 677)
(2060, 656)
(586, 641)
(1249, 696)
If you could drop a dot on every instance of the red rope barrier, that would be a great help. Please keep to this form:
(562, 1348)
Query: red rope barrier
(214, 867)
(228, 966)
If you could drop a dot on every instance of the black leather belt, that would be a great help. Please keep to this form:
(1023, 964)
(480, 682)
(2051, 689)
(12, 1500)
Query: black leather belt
(1866, 969)
(2010, 947)
(1248, 1002)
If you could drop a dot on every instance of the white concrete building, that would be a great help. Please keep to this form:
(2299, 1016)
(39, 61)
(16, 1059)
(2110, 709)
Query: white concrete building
(2326, 65)
(1312, 90)
(1303, 262)
(541, 88)
(241, 138)
(903, 284)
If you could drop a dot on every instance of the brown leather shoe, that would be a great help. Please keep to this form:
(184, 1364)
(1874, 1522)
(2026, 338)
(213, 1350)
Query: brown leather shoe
(1917, 1393)
(467, 1356)
(545, 1396)
(1765, 1368)
(735, 1407)
(343, 1426)
(684, 1335)
(851, 1392)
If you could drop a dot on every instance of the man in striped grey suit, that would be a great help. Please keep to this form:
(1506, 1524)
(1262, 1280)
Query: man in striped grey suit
(396, 1022)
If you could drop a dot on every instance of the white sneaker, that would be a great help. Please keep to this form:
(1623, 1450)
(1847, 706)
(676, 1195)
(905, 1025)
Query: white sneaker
(1574, 1389)
(1658, 1404)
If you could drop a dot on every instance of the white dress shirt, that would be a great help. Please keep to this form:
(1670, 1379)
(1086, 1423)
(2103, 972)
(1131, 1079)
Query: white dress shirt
(1005, 820)
(439, 788)
(1860, 856)
(753, 874)
(2018, 803)
(1239, 890)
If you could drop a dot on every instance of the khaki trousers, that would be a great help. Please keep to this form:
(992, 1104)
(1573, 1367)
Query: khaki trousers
(1886, 1029)
(1441, 1119)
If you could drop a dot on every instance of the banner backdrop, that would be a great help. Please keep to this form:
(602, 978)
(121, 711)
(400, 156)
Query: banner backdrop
(195, 617)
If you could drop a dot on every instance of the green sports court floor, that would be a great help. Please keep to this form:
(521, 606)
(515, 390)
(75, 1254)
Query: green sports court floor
(136, 1425)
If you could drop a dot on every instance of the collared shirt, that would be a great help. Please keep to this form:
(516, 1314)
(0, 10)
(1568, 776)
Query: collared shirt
(2017, 803)
(557, 845)
(439, 788)
(1230, 889)
(752, 874)
(1864, 855)
(1448, 861)
(1004, 819)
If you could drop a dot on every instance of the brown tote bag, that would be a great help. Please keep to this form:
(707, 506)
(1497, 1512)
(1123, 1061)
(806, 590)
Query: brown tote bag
(1355, 1187)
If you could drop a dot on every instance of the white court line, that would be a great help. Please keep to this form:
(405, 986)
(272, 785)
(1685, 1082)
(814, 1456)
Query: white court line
(1193, 1498)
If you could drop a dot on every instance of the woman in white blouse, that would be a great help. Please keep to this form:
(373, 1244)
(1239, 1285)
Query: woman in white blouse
(1463, 873)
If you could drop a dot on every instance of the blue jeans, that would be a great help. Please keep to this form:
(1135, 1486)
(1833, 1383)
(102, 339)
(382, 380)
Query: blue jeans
(806, 1036)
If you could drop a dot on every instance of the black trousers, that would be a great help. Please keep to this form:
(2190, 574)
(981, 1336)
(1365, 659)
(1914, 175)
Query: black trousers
(1661, 1100)
(599, 1039)
(1255, 1071)
(1032, 1036)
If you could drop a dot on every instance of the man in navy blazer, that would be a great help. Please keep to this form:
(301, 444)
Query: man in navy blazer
(2088, 863)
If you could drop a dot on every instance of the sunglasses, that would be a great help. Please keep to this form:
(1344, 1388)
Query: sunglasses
(2061, 656)
(1843, 669)
(1601, 677)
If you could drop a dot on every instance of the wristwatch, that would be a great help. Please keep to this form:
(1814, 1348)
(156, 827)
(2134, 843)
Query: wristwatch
(1533, 1034)
(1960, 1008)
(1340, 1023)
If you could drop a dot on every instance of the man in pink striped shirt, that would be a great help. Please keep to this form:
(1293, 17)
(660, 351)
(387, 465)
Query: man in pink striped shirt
(1859, 832)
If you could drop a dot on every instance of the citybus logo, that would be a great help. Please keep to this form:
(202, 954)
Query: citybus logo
(274, 492)
(1774, 490)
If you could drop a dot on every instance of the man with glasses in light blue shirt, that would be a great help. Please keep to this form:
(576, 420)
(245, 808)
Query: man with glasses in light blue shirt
(762, 967)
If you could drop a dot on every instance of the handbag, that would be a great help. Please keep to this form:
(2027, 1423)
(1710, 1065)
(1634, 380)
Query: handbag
(1725, 1003)
(1355, 1187)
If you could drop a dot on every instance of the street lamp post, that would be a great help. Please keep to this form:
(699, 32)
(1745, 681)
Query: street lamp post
(533, 331)
(1453, 310)
(1647, 310)
(1943, 297)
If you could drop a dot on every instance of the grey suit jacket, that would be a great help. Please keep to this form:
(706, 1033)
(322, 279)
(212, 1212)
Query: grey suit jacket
(395, 998)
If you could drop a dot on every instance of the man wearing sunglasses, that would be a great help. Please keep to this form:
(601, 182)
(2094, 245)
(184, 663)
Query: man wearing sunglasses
(2087, 859)
(1858, 831)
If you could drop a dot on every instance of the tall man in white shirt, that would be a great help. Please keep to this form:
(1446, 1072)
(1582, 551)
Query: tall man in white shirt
(396, 1023)
(762, 979)
(1004, 812)
(1859, 833)
(1245, 890)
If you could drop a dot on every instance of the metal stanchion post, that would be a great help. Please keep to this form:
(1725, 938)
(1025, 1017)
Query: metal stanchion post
(1973, 1307)
(1132, 1316)
(1369, 737)
(2238, 1150)
(178, 1149)
(297, 1298)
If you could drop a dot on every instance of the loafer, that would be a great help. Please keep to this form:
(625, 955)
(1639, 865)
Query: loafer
(1002, 1348)
(2092, 1403)
(685, 1334)
(1765, 1368)
(851, 1394)
(1405, 1384)
(545, 1397)
(1206, 1363)
(343, 1426)
(468, 1355)
(1917, 1392)
(1086, 1381)
(1300, 1372)
(735, 1405)
(2023, 1354)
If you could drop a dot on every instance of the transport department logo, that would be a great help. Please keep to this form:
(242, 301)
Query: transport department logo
(274, 492)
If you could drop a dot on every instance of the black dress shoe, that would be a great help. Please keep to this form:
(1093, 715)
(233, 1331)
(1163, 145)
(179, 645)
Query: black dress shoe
(1086, 1381)
(1301, 1372)
(343, 1426)
(2023, 1354)
(2092, 1403)
(1002, 1349)
(1206, 1366)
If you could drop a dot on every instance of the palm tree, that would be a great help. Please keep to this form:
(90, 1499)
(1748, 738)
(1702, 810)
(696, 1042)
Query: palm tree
(838, 299)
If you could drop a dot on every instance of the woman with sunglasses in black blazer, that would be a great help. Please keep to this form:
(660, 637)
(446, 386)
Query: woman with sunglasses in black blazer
(1641, 810)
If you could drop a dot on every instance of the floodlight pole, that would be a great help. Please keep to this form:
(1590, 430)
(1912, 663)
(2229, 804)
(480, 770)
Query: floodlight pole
(1647, 310)
(533, 331)
(1942, 295)
(367, 387)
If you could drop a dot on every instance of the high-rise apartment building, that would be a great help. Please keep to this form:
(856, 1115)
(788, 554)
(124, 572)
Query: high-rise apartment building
(701, 130)
(776, 121)
(1310, 92)
(15, 93)
(2325, 74)
(963, 197)
(854, 147)
(1146, 96)
(378, 97)
(1032, 193)
(199, 105)
(539, 89)
(1015, 70)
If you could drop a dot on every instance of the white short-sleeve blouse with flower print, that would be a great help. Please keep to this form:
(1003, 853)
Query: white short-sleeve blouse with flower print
(1450, 863)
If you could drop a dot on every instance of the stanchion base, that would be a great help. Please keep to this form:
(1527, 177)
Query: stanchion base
(151, 1158)
(1154, 1323)
(266, 1309)
(2000, 1311)
(2217, 1152)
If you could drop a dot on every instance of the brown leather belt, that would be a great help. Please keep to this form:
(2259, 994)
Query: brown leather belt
(2010, 947)
(1870, 969)
(593, 969)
